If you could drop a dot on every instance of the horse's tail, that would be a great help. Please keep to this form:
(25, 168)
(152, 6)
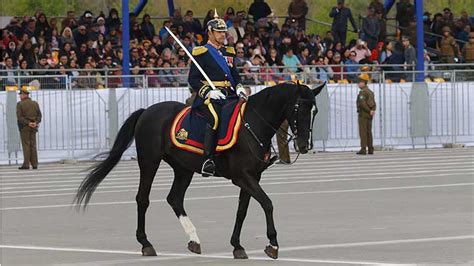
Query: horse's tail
(100, 170)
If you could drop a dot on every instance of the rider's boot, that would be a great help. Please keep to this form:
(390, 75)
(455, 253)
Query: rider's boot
(208, 167)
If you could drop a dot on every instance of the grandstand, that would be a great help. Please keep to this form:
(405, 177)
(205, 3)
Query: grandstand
(44, 45)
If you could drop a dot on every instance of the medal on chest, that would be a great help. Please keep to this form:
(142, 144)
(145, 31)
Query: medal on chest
(230, 61)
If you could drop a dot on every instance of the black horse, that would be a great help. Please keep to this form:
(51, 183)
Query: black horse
(243, 163)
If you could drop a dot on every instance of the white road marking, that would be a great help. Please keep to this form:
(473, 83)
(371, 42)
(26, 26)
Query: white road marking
(350, 167)
(185, 255)
(372, 243)
(227, 182)
(264, 182)
(236, 196)
(310, 160)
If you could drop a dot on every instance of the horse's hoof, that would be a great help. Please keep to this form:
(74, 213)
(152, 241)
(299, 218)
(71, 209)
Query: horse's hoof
(194, 247)
(240, 254)
(271, 252)
(148, 251)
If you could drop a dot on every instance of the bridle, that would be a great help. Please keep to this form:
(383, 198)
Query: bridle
(294, 125)
(294, 129)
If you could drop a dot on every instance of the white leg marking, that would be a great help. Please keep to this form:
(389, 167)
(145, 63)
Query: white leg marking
(189, 228)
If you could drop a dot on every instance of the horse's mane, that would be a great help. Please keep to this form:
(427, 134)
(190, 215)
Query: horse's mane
(273, 91)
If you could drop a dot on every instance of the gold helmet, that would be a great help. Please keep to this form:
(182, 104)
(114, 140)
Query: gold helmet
(216, 24)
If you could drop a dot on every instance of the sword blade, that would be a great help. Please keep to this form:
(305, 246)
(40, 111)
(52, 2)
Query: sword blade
(206, 77)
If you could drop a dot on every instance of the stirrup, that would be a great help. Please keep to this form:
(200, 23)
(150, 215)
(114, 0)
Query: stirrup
(208, 168)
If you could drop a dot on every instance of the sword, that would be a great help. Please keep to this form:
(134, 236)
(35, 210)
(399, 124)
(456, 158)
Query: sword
(192, 59)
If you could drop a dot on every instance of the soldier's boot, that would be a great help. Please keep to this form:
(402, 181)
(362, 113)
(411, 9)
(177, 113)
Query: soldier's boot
(371, 150)
(362, 152)
(209, 167)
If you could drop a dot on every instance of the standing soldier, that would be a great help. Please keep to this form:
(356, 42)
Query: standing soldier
(447, 47)
(219, 64)
(29, 116)
(468, 49)
(366, 110)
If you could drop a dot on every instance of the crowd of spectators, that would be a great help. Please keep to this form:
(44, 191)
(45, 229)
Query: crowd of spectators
(93, 42)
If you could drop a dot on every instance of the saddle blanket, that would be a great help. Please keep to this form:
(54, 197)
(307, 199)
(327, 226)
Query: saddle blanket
(187, 130)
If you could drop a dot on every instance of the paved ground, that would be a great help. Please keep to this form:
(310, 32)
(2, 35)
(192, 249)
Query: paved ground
(399, 207)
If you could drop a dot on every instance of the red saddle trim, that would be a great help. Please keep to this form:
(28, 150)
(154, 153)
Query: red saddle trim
(223, 144)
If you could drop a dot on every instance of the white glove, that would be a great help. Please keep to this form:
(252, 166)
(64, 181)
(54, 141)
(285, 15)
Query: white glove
(216, 95)
(241, 91)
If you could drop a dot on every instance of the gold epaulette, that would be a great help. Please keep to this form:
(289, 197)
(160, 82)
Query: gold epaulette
(199, 50)
(230, 50)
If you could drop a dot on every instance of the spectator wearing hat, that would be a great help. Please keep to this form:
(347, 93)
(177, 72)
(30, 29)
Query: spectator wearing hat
(28, 116)
(340, 15)
(101, 25)
(447, 47)
(366, 109)
(87, 18)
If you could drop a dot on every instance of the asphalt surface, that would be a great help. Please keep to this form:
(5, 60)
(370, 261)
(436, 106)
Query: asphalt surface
(395, 207)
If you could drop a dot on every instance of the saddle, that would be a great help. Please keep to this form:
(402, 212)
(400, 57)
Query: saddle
(187, 130)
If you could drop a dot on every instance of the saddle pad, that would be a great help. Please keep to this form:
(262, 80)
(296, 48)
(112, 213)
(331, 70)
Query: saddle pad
(187, 130)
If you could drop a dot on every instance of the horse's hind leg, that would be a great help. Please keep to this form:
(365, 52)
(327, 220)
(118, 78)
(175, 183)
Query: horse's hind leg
(182, 179)
(147, 174)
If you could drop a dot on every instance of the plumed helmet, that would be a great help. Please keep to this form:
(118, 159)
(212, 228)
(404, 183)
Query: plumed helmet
(216, 24)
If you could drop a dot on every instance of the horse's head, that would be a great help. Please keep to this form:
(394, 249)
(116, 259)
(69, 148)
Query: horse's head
(301, 115)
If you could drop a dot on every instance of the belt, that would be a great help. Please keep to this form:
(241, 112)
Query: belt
(224, 83)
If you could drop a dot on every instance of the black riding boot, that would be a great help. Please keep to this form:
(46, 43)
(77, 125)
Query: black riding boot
(208, 167)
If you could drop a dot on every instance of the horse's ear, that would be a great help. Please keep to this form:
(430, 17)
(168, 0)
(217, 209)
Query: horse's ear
(298, 86)
(318, 89)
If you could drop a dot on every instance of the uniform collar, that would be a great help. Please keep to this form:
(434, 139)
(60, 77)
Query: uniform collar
(214, 45)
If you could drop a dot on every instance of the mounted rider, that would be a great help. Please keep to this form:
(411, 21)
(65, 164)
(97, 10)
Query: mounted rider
(217, 61)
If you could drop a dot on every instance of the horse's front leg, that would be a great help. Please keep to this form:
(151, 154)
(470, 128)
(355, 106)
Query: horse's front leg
(239, 251)
(251, 186)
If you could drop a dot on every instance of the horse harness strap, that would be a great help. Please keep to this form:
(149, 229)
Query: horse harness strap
(294, 128)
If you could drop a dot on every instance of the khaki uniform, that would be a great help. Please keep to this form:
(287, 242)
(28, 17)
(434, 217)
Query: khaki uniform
(468, 52)
(365, 104)
(448, 49)
(282, 137)
(28, 111)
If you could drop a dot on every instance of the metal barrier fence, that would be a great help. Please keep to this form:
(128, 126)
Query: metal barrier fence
(80, 121)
